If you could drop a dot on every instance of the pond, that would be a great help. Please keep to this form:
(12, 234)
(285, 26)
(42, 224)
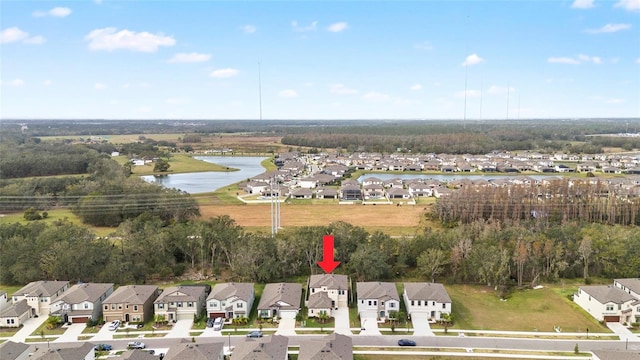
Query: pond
(202, 182)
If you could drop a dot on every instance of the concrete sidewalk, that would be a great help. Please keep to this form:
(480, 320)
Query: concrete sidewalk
(622, 332)
(28, 327)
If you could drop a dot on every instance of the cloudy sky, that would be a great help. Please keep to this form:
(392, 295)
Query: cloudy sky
(320, 60)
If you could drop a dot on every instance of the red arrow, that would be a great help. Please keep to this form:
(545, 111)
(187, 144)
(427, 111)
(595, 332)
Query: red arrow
(327, 264)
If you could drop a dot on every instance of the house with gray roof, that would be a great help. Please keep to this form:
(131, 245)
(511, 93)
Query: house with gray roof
(16, 314)
(632, 286)
(616, 355)
(607, 303)
(137, 354)
(377, 297)
(82, 302)
(181, 302)
(336, 286)
(230, 300)
(331, 347)
(5, 301)
(130, 303)
(68, 351)
(428, 300)
(10, 350)
(195, 351)
(40, 295)
(280, 299)
(272, 347)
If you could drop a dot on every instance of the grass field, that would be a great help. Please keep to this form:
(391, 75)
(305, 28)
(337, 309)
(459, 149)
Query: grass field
(55, 215)
(180, 163)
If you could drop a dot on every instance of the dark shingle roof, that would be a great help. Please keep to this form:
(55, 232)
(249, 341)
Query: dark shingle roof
(427, 291)
(607, 293)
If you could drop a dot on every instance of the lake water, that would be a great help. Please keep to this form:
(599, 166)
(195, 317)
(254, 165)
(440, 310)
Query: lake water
(202, 182)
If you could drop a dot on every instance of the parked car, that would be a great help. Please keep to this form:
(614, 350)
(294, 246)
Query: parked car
(102, 347)
(406, 342)
(115, 324)
(255, 334)
(218, 323)
(210, 322)
(136, 345)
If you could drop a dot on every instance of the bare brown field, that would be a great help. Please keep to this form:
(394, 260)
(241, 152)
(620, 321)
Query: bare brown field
(405, 219)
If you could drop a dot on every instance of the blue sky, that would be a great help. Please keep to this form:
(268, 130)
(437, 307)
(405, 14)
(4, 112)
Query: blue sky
(320, 60)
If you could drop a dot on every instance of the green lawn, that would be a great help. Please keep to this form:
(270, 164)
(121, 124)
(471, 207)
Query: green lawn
(180, 163)
(56, 215)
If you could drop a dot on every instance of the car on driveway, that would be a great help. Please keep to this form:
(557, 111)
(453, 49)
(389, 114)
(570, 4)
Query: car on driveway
(135, 345)
(255, 334)
(406, 342)
(102, 347)
(115, 324)
(218, 323)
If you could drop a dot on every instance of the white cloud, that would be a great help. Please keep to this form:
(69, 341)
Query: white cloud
(298, 28)
(55, 12)
(110, 39)
(224, 73)
(13, 34)
(582, 4)
(563, 60)
(342, 90)
(17, 82)
(97, 1)
(469, 92)
(614, 101)
(423, 46)
(99, 86)
(338, 27)
(288, 93)
(472, 59)
(47, 83)
(416, 87)
(610, 28)
(587, 58)
(638, 61)
(630, 5)
(35, 40)
(189, 58)
(373, 96)
(249, 29)
(177, 100)
(500, 90)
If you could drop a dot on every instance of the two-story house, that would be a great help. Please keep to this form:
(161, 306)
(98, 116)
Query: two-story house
(379, 298)
(130, 303)
(327, 292)
(230, 300)
(81, 302)
(40, 295)
(281, 299)
(429, 300)
(181, 302)
(606, 302)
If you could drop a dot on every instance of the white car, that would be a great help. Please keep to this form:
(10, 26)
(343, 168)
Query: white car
(218, 323)
(136, 345)
(115, 324)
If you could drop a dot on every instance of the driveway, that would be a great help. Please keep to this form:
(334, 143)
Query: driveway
(180, 329)
(421, 325)
(369, 323)
(29, 326)
(72, 333)
(103, 334)
(342, 325)
(622, 332)
(287, 325)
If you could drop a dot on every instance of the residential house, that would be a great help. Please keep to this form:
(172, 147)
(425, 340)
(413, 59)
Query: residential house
(350, 192)
(280, 299)
(68, 351)
(196, 351)
(632, 286)
(130, 303)
(398, 193)
(272, 347)
(331, 347)
(5, 302)
(373, 191)
(606, 302)
(10, 350)
(230, 300)
(82, 302)
(326, 193)
(181, 302)
(137, 354)
(308, 182)
(16, 314)
(40, 295)
(377, 297)
(335, 285)
(302, 193)
(616, 355)
(429, 300)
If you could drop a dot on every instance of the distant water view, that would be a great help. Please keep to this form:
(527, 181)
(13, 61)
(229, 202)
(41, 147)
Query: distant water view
(202, 182)
(447, 177)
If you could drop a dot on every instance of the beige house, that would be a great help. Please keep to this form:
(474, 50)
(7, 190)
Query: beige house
(191, 351)
(82, 302)
(16, 314)
(272, 347)
(40, 295)
(280, 299)
(70, 351)
(181, 302)
(230, 300)
(10, 350)
(130, 303)
(333, 346)
(336, 286)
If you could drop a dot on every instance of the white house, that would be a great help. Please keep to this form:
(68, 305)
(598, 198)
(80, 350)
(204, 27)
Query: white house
(181, 302)
(606, 302)
(280, 299)
(81, 302)
(327, 292)
(430, 300)
(16, 314)
(40, 295)
(5, 302)
(377, 297)
(230, 300)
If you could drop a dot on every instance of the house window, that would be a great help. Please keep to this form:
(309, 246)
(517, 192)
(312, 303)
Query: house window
(444, 306)
(369, 302)
(119, 306)
(190, 304)
(313, 290)
(434, 303)
(392, 305)
(412, 302)
(172, 303)
(106, 307)
(375, 302)
(135, 307)
(160, 306)
(86, 306)
(180, 304)
(420, 303)
(609, 307)
(239, 305)
(113, 306)
(212, 304)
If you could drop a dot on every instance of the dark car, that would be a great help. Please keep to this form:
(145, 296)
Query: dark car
(210, 322)
(102, 347)
(255, 334)
(406, 342)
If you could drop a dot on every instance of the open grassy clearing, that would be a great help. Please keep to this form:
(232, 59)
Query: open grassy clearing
(180, 163)
(55, 215)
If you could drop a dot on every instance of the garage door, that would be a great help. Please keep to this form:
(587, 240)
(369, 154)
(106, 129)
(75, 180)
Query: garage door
(288, 314)
(184, 316)
(612, 318)
(80, 319)
(214, 315)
